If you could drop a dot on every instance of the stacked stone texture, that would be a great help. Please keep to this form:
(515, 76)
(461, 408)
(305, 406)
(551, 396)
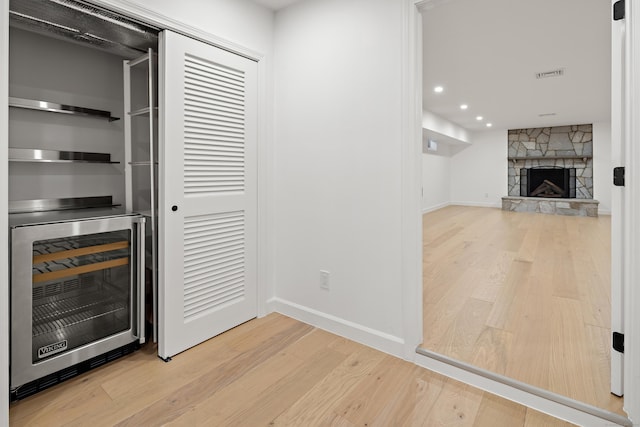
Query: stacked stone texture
(575, 207)
(559, 144)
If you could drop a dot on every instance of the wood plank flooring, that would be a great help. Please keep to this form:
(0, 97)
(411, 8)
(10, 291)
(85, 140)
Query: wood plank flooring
(523, 295)
(273, 371)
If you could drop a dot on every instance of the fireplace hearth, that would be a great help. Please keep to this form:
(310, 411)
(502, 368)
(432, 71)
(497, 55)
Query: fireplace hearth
(551, 182)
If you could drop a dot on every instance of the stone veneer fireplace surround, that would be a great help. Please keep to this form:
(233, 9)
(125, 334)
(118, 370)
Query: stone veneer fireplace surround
(552, 147)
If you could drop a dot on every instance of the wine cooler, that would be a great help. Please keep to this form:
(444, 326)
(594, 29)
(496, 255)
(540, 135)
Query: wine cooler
(77, 293)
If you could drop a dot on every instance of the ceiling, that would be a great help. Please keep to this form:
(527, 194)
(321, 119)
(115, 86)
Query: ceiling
(486, 53)
(275, 4)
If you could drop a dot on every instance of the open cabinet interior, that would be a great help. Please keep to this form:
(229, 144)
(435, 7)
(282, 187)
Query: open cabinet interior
(83, 135)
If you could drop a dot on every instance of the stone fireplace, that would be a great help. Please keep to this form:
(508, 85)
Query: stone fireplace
(550, 170)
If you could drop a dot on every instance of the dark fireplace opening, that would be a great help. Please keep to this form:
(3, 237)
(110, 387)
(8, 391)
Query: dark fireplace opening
(548, 182)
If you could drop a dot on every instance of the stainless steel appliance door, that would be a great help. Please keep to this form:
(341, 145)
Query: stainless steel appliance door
(75, 293)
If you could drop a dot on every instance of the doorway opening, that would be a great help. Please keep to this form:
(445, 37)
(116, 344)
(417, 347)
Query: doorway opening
(486, 271)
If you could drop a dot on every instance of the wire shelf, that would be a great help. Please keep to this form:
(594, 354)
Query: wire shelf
(57, 314)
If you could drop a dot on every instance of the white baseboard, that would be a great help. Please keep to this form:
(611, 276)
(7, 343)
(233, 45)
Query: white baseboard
(474, 204)
(355, 332)
(479, 204)
(435, 207)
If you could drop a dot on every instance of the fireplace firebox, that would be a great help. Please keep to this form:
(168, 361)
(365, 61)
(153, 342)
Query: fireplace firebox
(548, 182)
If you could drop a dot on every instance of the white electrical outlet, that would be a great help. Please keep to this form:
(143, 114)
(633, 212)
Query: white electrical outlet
(324, 279)
(486, 195)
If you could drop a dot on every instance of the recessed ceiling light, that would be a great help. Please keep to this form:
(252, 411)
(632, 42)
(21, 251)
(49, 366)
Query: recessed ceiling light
(438, 89)
(489, 125)
(464, 106)
(479, 118)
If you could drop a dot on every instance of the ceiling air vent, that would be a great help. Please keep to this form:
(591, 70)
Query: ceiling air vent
(553, 73)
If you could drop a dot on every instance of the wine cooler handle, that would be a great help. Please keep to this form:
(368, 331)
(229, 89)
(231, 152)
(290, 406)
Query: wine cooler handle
(141, 279)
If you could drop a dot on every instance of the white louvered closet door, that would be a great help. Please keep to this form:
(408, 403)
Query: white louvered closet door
(207, 192)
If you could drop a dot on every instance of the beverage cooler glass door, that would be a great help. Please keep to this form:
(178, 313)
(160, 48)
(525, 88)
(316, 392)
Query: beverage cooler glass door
(75, 293)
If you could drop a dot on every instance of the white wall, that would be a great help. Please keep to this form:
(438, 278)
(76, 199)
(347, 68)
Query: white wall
(602, 166)
(479, 170)
(444, 127)
(338, 165)
(436, 178)
(436, 165)
(48, 69)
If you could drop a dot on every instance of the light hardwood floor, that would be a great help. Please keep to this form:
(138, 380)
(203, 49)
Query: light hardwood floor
(273, 371)
(522, 294)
